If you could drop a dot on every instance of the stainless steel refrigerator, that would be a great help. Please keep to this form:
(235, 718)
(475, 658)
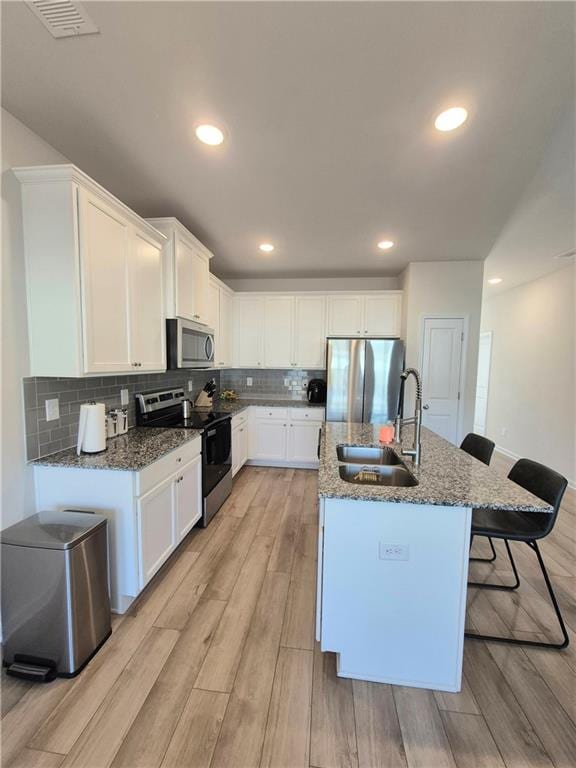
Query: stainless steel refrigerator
(363, 379)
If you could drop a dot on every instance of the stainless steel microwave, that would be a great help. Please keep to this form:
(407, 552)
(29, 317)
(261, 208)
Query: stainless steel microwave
(188, 344)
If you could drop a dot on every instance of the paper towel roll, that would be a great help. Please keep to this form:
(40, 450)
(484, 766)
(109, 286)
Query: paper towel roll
(92, 428)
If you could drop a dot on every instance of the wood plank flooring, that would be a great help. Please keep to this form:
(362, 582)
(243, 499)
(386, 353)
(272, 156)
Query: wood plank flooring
(216, 665)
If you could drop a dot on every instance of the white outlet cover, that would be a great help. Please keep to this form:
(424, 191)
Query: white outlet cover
(190, 385)
(387, 551)
(286, 382)
(52, 409)
(249, 381)
(124, 397)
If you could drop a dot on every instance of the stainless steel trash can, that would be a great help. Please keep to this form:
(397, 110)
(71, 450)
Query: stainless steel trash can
(55, 600)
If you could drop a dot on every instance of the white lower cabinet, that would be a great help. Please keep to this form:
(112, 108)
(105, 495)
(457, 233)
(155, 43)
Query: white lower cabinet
(188, 498)
(156, 534)
(285, 436)
(303, 441)
(269, 439)
(149, 512)
(165, 515)
(239, 441)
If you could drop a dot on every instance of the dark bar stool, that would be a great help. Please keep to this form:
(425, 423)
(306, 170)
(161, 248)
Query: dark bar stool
(482, 449)
(549, 486)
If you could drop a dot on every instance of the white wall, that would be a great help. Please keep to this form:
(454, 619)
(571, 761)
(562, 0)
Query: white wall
(453, 288)
(314, 284)
(532, 382)
(20, 146)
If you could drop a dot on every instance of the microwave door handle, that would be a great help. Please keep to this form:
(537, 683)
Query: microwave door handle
(208, 347)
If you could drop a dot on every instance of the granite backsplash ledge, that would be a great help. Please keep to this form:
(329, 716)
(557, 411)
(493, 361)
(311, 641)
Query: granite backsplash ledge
(46, 437)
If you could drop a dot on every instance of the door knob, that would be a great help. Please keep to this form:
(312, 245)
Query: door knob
(425, 407)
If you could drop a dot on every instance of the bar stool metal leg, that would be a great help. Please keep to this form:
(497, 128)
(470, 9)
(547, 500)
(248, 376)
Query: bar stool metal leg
(503, 587)
(484, 559)
(536, 643)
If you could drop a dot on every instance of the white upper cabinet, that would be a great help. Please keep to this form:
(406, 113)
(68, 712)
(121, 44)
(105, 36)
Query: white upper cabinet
(248, 331)
(377, 314)
(93, 277)
(345, 315)
(383, 314)
(147, 303)
(220, 319)
(186, 272)
(278, 331)
(224, 353)
(310, 331)
(105, 242)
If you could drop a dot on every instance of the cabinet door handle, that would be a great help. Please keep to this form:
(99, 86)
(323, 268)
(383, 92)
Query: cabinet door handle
(179, 459)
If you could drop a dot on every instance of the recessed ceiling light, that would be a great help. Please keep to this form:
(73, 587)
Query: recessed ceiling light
(385, 245)
(266, 247)
(209, 134)
(450, 119)
(495, 280)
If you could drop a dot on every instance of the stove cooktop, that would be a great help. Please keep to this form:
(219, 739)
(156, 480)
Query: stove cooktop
(198, 420)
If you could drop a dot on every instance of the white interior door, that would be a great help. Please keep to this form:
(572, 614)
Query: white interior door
(482, 382)
(441, 370)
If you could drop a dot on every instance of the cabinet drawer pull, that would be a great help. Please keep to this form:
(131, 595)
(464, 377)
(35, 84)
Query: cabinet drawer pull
(179, 459)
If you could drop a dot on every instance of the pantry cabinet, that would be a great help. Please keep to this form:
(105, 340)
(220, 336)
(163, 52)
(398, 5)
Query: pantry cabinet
(186, 272)
(93, 276)
(375, 314)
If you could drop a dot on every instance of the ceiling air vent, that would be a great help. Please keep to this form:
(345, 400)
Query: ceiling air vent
(63, 18)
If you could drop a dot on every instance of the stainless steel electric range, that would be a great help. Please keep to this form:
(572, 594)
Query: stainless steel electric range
(165, 409)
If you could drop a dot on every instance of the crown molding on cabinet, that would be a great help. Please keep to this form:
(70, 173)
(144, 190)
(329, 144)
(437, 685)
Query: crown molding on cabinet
(33, 174)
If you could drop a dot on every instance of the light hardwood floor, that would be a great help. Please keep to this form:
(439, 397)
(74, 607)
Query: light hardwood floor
(216, 664)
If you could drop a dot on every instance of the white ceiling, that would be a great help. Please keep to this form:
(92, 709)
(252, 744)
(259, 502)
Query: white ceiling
(328, 109)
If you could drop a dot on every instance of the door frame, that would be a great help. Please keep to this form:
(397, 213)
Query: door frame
(463, 359)
(490, 335)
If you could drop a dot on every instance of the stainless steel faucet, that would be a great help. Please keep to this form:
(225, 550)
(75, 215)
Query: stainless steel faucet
(416, 449)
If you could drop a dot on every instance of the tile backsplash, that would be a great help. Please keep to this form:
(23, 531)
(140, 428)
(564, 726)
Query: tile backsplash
(290, 383)
(45, 437)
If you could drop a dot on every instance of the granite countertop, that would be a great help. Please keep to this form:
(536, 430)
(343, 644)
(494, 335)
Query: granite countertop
(235, 406)
(131, 452)
(447, 476)
(141, 446)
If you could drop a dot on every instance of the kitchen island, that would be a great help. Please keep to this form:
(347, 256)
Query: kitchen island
(393, 560)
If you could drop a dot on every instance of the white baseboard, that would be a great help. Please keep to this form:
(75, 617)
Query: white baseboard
(512, 455)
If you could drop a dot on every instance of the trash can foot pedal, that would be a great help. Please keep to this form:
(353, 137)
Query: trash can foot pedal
(32, 668)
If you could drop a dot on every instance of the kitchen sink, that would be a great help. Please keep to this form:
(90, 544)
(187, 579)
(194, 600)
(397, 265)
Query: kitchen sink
(394, 476)
(361, 454)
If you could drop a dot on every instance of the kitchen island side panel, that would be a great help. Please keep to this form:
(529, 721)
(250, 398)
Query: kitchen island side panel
(394, 580)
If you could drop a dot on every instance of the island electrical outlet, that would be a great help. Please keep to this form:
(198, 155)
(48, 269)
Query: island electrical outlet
(393, 551)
